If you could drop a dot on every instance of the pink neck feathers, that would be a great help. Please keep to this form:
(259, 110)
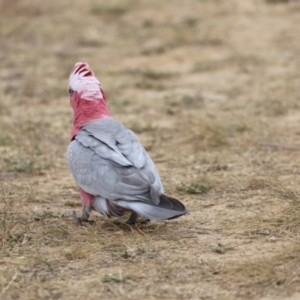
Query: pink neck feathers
(86, 111)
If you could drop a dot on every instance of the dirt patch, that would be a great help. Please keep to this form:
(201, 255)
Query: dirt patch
(212, 90)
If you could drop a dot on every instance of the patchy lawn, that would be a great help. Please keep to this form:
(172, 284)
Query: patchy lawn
(212, 90)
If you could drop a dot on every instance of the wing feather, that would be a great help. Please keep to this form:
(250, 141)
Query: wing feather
(107, 160)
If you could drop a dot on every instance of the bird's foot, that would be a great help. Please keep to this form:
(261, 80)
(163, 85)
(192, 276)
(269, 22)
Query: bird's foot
(145, 221)
(83, 218)
(132, 219)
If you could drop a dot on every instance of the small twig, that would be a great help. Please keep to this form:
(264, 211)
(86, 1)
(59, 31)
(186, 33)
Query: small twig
(9, 284)
(275, 145)
(8, 262)
(160, 161)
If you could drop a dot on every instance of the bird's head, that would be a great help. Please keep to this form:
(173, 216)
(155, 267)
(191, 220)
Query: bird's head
(83, 85)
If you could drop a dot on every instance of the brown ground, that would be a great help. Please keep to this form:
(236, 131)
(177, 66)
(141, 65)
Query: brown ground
(212, 89)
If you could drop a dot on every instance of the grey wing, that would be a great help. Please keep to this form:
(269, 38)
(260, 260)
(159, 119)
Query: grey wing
(106, 159)
(116, 137)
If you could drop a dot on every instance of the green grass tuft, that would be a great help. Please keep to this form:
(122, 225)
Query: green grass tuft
(194, 188)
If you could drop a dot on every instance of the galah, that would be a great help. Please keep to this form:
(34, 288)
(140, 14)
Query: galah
(113, 170)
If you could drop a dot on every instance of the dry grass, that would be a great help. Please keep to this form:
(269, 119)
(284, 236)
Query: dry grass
(212, 90)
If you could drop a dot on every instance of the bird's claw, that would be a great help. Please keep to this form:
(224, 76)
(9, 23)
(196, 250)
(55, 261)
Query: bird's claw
(134, 220)
(145, 221)
(80, 219)
(130, 222)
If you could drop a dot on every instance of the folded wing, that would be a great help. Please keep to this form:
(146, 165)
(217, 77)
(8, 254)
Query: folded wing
(107, 160)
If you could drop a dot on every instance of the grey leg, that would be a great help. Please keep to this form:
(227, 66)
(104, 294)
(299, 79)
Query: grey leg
(86, 211)
(132, 219)
(146, 221)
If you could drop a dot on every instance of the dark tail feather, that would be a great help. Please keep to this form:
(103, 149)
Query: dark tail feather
(172, 204)
(168, 208)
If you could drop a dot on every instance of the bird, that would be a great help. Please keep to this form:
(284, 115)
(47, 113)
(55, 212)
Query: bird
(114, 172)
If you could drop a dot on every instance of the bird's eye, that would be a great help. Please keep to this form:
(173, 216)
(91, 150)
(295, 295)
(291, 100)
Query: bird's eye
(71, 92)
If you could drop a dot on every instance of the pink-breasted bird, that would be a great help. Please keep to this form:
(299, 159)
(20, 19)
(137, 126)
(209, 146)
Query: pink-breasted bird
(113, 170)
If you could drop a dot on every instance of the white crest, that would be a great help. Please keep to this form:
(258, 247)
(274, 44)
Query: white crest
(82, 80)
